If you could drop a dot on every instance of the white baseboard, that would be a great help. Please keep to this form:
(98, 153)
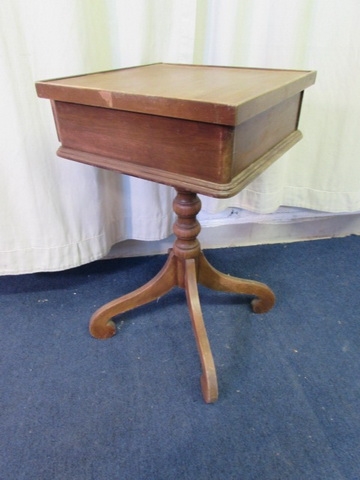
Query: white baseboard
(235, 228)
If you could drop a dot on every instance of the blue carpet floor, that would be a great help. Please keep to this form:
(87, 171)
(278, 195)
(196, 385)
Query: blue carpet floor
(130, 407)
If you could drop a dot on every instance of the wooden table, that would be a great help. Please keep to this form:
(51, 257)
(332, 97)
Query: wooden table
(200, 129)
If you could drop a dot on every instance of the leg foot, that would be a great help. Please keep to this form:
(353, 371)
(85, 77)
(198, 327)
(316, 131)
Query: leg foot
(101, 323)
(212, 278)
(208, 378)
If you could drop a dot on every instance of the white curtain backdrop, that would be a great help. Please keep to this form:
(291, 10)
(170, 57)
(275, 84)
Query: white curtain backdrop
(56, 214)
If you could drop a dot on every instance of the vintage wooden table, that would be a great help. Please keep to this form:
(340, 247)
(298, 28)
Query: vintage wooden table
(200, 129)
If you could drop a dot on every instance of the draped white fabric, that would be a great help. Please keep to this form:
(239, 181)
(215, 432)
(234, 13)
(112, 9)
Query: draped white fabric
(55, 214)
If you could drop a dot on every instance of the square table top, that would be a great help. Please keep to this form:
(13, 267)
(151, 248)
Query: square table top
(223, 95)
(206, 129)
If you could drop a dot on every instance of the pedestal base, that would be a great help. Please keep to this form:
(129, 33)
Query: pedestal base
(185, 267)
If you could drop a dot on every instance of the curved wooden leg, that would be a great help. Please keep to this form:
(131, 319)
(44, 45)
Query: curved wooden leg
(101, 323)
(208, 378)
(212, 278)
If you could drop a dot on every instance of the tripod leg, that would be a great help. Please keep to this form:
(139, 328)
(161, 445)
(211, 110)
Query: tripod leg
(212, 278)
(208, 378)
(101, 323)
